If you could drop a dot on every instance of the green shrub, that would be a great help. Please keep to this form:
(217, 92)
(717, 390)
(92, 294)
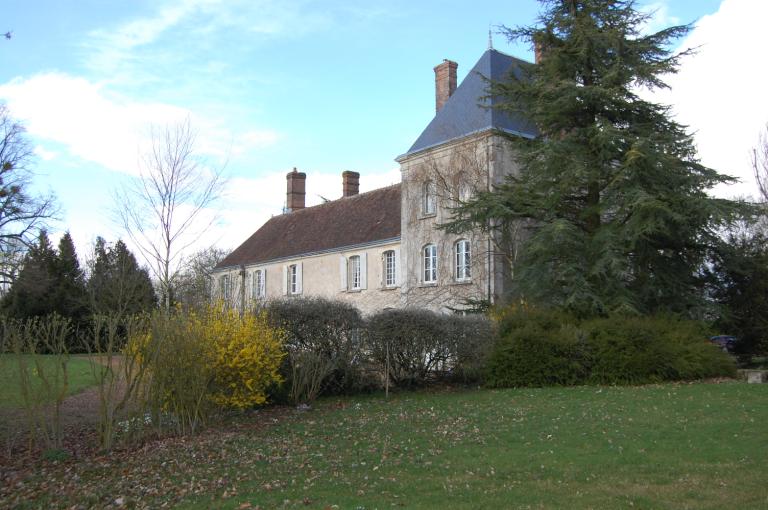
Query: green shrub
(324, 344)
(538, 348)
(471, 339)
(637, 350)
(545, 347)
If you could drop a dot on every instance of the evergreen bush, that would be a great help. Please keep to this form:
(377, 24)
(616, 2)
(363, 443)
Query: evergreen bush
(550, 347)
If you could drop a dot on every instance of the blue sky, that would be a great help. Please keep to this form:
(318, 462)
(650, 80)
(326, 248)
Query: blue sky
(322, 86)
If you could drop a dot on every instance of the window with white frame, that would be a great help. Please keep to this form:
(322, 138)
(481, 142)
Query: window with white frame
(463, 260)
(258, 285)
(293, 279)
(430, 263)
(390, 269)
(224, 287)
(428, 205)
(465, 191)
(355, 281)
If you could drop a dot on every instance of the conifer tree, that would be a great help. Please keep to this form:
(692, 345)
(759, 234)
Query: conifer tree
(32, 293)
(117, 283)
(611, 190)
(69, 294)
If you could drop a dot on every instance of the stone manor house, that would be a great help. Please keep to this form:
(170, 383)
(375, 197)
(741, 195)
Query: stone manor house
(381, 249)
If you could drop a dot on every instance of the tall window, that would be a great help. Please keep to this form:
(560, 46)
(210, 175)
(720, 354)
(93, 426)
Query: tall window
(354, 273)
(428, 198)
(258, 285)
(390, 277)
(224, 288)
(293, 279)
(463, 260)
(430, 263)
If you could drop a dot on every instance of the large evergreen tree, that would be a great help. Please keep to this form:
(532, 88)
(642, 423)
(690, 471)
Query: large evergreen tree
(611, 190)
(32, 293)
(69, 294)
(117, 283)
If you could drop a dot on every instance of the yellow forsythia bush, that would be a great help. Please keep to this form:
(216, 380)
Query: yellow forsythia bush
(246, 353)
(213, 355)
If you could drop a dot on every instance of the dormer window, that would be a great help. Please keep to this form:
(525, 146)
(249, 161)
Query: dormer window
(429, 202)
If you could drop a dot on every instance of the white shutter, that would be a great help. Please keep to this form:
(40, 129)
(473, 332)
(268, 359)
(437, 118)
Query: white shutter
(398, 268)
(299, 277)
(343, 272)
(364, 271)
(285, 280)
(263, 290)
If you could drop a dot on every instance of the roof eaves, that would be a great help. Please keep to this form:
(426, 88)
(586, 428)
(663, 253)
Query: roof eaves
(513, 132)
(337, 249)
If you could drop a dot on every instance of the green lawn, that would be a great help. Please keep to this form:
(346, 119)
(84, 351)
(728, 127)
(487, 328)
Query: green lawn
(80, 376)
(666, 446)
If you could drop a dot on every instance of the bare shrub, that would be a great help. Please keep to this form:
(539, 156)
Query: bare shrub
(325, 347)
(43, 378)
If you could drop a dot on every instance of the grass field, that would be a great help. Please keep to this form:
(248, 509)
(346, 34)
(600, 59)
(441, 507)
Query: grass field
(666, 446)
(80, 376)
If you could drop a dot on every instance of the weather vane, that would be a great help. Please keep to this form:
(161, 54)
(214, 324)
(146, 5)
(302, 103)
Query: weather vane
(490, 38)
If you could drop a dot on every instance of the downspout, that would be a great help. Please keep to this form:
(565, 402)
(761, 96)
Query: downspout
(242, 289)
(488, 251)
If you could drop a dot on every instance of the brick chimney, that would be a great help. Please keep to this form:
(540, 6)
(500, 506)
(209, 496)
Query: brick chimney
(537, 52)
(294, 199)
(350, 183)
(445, 82)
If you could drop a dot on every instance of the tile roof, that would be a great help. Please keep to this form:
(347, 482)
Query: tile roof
(467, 112)
(360, 219)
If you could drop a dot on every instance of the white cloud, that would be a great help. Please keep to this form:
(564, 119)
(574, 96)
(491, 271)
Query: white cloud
(720, 92)
(109, 129)
(43, 153)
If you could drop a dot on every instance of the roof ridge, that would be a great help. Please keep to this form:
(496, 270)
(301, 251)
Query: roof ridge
(337, 200)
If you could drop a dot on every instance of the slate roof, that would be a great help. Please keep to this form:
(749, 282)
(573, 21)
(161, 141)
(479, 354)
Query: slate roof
(465, 113)
(360, 219)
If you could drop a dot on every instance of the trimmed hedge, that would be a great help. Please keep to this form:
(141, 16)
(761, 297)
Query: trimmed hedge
(424, 346)
(543, 348)
(332, 331)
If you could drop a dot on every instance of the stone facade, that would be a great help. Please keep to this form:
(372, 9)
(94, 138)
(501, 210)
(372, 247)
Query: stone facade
(322, 275)
(463, 150)
(455, 172)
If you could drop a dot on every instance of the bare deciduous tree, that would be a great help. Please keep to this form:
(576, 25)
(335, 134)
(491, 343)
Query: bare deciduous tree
(161, 210)
(760, 164)
(22, 215)
(194, 287)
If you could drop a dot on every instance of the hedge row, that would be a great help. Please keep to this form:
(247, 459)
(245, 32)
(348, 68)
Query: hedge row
(542, 348)
(332, 350)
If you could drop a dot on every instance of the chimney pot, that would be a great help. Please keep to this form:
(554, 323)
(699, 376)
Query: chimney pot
(296, 190)
(350, 183)
(445, 82)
